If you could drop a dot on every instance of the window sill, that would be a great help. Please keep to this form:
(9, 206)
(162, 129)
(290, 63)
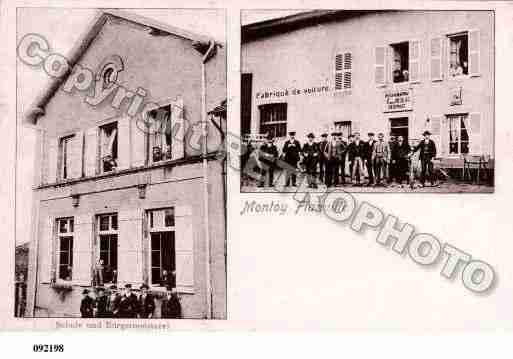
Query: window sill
(180, 289)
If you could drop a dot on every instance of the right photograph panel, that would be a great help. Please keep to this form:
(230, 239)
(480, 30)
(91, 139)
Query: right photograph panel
(367, 101)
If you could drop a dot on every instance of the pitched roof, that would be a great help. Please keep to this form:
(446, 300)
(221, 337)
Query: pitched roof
(81, 46)
(293, 22)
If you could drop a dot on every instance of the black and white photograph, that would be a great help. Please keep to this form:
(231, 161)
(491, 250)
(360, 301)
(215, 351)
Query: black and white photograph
(121, 192)
(367, 100)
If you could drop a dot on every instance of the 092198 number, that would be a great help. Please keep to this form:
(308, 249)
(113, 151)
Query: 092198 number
(48, 348)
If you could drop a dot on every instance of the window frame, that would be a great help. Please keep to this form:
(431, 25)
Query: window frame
(100, 146)
(262, 107)
(461, 117)
(447, 39)
(390, 58)
(149, 136)
(108, 232)
(64, 153)
(58, 242)
(158, 229)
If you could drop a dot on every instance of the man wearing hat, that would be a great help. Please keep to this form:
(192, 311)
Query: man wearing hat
(323, 158)
(380, 158)
(146, 303)
(87, 305)
(128, 304)
(311, 157)
(291, 154)
(268, 156)
(427, 149)
(369, 148)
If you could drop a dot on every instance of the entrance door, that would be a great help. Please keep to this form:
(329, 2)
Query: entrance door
(399, 127)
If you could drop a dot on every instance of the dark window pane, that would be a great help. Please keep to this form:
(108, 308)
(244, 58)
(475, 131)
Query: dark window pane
(155, 258)
(104, 243)
(71, 225)
(63, 258)
(155, 275)
(114, 220)
(168, 251)
(155, 241)
(63, 227)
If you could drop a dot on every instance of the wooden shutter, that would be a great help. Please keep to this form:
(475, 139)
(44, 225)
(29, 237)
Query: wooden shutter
(91, 152)
(130, 251)
(436, 59)
(138, 142)
(474, 49)
(184, 247)
(178, 129)
(348, 71)
(76, 155)
(339, 73)
(379, 66)
(83, 249)
(52, 158)
(123, 143)
(435, 129)
(414, 61)
(474, 129)
(45, 252)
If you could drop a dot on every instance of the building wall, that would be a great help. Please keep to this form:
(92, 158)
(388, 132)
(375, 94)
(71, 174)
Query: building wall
(305, 58)
(179, 187)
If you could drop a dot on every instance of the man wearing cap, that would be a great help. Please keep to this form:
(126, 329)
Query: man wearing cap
(146, 303)
(311, 157)
(87, 305)
(427, 149)
(323, 158)
(128, 304)
(357, 153)
(339, 155)
(268, 156)
(291, 155)
(369, 148)
(329, 153)
(380, 156)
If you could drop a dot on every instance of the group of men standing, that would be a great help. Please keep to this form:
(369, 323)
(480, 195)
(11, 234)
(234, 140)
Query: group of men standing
(325, 161)
(126, 304)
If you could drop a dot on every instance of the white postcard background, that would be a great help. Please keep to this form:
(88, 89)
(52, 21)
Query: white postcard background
(305, 271)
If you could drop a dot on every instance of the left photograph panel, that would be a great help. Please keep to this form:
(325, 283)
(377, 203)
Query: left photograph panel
(121, 188)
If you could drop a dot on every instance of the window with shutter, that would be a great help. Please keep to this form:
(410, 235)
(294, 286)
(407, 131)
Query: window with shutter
(123, 140)
(343, 71)
(64, 247)
(457, 134)
(379, 66)
(65, 157)
(474, 52)
(458, 54)
(109, 147)
(107, 249)
(161, 232)
(77, 151)
(436, 59)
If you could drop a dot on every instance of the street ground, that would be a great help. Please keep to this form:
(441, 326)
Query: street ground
(447, 186)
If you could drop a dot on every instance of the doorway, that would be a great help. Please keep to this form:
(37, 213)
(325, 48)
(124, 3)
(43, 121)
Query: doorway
(399, 127)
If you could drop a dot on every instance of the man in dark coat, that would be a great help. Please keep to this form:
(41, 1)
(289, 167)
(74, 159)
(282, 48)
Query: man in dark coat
(291, 155)
(146, 303)
(168, 279)
(87, 305)
(339, 157)
(128, 304)
(350, 139)
(171, 307)
(113, 301)
(399, 159)
(357, 153)
(268, 156)
(323, 159)
(427, 149)
(102, 304)
(391, 167)
(369, 146)
(310, 158)
(380, 158)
